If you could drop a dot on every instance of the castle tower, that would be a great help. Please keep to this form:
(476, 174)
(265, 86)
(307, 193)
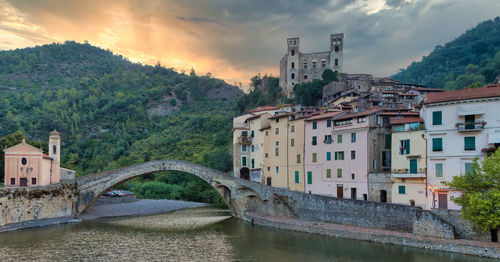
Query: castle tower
(292, 65)
(336, 51)
(55, 155)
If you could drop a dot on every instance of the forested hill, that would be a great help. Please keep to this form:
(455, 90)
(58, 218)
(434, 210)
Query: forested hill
(472, 57)
(112, 112)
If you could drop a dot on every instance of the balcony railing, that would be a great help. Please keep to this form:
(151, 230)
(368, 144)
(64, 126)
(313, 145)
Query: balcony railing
(245, 140)
(470, 126)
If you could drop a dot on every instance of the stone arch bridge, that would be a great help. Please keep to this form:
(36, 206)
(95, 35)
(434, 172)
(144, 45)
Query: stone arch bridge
(246, 199)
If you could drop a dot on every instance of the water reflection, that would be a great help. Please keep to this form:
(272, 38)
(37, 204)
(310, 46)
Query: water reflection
(202, 234)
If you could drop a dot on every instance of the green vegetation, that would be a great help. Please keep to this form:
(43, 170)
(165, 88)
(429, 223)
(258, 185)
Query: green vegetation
(264, 91)
(473, 57)
(308, 94)
(113, 113)
(481, 194)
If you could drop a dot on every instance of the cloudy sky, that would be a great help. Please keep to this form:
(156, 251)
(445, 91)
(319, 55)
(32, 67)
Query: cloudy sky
(236, 39)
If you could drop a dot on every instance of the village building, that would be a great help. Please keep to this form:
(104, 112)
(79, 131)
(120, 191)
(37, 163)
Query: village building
(26, 165)
(460, 126)
(408, 161)
(248, 142)
(297, 67)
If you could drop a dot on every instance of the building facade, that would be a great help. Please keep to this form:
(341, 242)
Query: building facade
(26, 165)
(297, 67)
(409, 162)
(459, 126)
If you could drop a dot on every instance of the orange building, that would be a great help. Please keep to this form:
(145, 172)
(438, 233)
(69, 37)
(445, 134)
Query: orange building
(26, 165)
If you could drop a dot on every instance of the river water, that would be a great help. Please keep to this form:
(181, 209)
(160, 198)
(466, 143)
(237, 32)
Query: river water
(199, 234)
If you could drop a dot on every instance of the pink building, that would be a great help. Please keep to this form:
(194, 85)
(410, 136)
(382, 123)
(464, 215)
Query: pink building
(319, 154)
(26, 165)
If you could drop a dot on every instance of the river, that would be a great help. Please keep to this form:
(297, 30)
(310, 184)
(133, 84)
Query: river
(199, 234)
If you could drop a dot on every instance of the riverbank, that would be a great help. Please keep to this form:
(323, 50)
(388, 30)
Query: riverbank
(462, 246)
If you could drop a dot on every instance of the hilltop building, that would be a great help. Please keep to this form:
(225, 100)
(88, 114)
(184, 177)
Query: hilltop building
(297, 67)
(26, 165)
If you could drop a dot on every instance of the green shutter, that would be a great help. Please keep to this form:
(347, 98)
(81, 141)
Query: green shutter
(402, 190)
(315, 125)
(309, 177)
(328, 173)
(328, 123)
(297, 177)
(470, 143)
(437, 144)
(413, 166)
(339, 138)
(407, 146)
(314, 158)
(336, 155)
(252, 163)
(439, 170)
(437, 118)
(328, 156)
(244, 161)
(468, 168)
(339, 172)
(387, 141)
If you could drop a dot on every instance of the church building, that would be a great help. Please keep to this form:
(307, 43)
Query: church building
(26, 165)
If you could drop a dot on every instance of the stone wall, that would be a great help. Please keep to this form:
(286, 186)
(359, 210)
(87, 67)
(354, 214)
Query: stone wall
(464, 228)
(33, 203)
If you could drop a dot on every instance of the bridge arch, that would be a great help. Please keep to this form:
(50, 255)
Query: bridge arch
(93, 186)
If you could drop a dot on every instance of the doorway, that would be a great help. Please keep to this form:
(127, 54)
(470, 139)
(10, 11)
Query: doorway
(353, 193)
(268, 181)
(443, 201)
(340, 190)
(383, 196)
(245, 173)
(23, 182)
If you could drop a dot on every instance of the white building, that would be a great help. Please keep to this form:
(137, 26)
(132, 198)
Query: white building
(460, 126)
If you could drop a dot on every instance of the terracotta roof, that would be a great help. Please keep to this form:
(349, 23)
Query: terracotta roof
(55, 133)
(464, 94)
(407, 94)
(324, 115)
(428, 89)
(254, 116)
(406, 120)
(263, 108)
(399, 113)
(46, 156)
(358, 114)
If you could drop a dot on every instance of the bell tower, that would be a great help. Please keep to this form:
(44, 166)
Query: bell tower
(292, 65)
(336, 52)
(55, 146)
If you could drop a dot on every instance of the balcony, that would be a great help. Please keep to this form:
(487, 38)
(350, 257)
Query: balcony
(404, 173)
(245, 140)
(470, 126)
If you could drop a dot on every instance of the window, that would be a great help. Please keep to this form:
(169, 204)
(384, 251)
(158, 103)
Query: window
(292, 142)
(353, 137)
(388, 141)
(328, 139)
(468, 168)
(305, 76)
(253, 148)
(328, 123)
(293, 52)
(339, 138)
(404, 147)
(12, 181)
(297, 177)
(339, 172)
(293, 65)
(277, 120)
(386, 158)
(328, 173)
(277, 131)
(437, 118)
(54, 149)
(336, 48)
(413, 166)
(292, 129)
(268, 168)
(336, 62)
(439, 170)
(293, 76)
(277, 169)
(339, 155)
(323, 64)
(267, 133)
(24, 161)
(309, 177)
(243, 148)
(298, 158)
(314, 140)
(353, 176)
(353, 154)
(361, 119)
(252, 163)
(314, 156)
(277, 151)
(252, 133)
(469, 143)
(402, 190)
(437, 144)
(314, 64)
(277, 143)
(315, 125)
(374, 163)
(243, 161)
(267, 155)
(328, 156)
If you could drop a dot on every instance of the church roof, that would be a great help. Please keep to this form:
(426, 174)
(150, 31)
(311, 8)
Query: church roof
(54, 133)
(23, 145)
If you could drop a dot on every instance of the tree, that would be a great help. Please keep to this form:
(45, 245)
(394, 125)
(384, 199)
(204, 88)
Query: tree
(480, 199)
(329, 76)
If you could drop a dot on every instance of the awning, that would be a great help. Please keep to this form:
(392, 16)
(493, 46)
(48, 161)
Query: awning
(493, 138)
(470, 110)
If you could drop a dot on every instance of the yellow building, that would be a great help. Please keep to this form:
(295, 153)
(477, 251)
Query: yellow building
(408, 159)
(296, 173)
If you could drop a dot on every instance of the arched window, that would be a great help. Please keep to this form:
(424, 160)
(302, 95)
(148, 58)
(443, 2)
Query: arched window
(293, 75)
(293, 65)
(293, 52)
